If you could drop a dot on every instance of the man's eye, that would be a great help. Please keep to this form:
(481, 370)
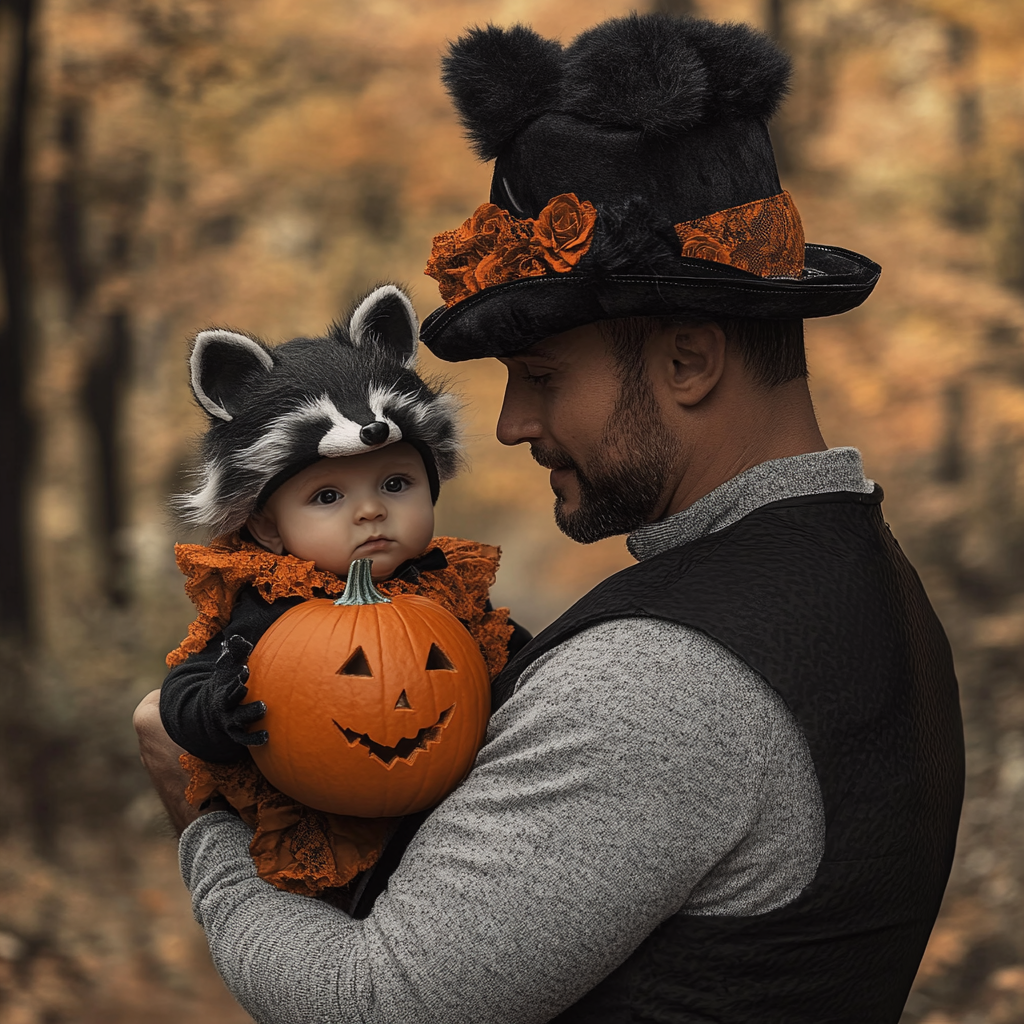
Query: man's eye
(536, 379)
(394, 484)
(327, 497)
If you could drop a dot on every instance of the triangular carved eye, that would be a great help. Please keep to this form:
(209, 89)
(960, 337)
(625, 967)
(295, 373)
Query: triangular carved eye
(357, 665)
(438, 659)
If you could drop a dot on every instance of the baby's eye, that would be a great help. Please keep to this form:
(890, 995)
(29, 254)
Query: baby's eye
(395, 484)
(328, 496)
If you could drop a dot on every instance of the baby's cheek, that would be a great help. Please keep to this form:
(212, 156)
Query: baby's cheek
(421, 528)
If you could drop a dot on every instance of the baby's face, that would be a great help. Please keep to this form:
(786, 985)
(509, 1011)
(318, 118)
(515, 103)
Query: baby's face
(375, 506)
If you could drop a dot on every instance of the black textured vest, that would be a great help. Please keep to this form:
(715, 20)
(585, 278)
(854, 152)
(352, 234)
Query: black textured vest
(815, 595)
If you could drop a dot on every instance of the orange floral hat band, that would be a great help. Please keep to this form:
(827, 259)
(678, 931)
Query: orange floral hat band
(764, 237)
(493, 247)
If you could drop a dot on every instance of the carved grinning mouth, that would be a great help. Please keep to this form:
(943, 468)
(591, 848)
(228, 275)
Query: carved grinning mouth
(406, 747)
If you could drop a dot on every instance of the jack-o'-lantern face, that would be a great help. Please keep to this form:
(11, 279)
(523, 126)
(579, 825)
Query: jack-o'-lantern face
(408, 747)
(374, 709)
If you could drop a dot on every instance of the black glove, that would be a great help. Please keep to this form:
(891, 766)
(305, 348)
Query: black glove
(225, 691)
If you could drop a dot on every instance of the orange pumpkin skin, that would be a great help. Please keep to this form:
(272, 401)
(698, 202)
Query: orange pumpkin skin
(330, 730)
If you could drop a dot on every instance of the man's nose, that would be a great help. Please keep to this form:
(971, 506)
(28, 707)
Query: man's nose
(518, 421)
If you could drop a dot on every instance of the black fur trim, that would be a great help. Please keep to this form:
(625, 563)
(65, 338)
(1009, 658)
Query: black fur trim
(500, 80)
(626, 241)
(663, 76)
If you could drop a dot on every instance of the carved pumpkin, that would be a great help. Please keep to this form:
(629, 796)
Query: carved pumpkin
(376, 707)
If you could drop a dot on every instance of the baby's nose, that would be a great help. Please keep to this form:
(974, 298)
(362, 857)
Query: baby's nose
(372, 508)
(374, 433)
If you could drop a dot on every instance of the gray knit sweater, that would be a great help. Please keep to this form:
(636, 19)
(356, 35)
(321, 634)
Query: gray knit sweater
(640, 770)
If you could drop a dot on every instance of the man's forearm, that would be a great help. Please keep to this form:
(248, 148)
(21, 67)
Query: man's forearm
(295, 965)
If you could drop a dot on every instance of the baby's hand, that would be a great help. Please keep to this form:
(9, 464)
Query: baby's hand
(227, 690)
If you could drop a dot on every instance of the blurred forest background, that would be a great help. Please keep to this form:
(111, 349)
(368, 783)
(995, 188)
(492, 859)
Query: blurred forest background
(169, 165)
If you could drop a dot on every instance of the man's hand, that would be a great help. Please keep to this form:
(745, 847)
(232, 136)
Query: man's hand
(159, 754)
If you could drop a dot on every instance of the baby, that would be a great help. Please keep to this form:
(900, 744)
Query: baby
(319, 452)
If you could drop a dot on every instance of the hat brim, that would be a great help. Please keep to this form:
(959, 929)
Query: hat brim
(507, 318)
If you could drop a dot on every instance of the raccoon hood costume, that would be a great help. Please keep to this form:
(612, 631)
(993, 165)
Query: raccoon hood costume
(274, 411)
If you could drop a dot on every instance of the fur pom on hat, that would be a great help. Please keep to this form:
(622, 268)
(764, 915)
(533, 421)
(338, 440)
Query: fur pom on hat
(500, 79)
(274, 411)
(647, 72)
(663, 75)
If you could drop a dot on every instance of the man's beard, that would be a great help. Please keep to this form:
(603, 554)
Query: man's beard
(625, 492)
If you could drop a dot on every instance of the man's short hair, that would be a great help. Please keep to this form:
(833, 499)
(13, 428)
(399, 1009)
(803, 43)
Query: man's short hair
(772, 350)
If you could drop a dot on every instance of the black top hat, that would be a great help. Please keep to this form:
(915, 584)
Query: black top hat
(633, 176)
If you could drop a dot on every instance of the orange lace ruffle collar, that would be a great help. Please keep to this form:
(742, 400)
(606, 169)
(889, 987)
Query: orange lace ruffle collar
(216, 572)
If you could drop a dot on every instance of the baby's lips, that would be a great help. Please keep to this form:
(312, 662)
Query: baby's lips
(374, 540)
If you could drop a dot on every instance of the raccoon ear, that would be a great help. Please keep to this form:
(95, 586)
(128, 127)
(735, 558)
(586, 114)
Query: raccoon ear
(385, 321)
(223, 365)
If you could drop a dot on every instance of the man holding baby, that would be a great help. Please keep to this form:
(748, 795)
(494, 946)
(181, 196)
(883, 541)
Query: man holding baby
(725, 785)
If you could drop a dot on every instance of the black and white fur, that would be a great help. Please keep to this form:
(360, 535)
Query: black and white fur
(274, 411)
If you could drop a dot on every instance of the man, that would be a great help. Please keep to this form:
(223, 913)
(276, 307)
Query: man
(725, 785)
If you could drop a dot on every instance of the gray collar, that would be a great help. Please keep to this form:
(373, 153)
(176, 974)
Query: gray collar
(838, 469)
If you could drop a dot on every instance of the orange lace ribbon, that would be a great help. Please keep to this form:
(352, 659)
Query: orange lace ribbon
(294, 847)
(765, 237)
(493, 247)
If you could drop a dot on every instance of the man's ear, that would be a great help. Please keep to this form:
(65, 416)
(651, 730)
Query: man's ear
(264, 531)
(692, 357)
(386, 321)
(224, 364)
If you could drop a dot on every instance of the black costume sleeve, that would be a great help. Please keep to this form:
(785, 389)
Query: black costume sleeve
(181, 708)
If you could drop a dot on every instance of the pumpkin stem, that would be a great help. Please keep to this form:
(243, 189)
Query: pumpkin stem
(360, 589)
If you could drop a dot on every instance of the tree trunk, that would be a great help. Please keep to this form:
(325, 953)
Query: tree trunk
(15, 314)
